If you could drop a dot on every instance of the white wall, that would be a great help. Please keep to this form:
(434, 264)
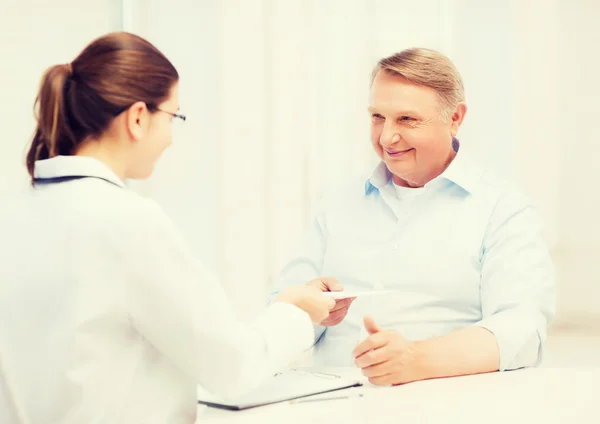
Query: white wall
(577, 97)
(36, 34)
(578, 123)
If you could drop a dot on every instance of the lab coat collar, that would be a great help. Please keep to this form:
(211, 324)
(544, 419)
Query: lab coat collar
(63, 167)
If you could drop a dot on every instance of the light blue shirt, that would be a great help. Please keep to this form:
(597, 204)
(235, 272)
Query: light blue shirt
(465, 250)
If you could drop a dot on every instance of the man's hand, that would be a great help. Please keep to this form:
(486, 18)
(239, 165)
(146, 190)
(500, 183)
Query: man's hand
(386, 357)
(339, 311)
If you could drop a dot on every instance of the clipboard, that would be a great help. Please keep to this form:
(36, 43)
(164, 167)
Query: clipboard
(282, 387)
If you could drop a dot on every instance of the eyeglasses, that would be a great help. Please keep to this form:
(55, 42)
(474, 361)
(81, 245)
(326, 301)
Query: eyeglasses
(174, 115)
(153, 108)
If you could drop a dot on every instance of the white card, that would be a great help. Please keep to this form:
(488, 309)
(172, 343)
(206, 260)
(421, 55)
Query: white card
(347, 294)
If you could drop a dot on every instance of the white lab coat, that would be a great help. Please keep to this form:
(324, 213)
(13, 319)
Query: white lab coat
(105, 316)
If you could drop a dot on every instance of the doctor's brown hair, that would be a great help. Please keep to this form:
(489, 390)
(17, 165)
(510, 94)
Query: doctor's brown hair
(80, 99)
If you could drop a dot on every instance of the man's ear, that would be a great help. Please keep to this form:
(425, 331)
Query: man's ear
(457, 118)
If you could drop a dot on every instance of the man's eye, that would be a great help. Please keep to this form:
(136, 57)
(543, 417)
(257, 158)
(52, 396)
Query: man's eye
(406, 118)
(377, 116)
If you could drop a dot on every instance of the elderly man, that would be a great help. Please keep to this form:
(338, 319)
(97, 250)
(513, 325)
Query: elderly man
(466, 279)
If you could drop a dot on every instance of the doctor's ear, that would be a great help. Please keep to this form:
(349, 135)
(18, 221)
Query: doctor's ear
(137, 120)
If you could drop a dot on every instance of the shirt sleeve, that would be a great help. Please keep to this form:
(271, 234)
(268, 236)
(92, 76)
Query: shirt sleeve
(518, 293)
(307, 264)
(184, 313)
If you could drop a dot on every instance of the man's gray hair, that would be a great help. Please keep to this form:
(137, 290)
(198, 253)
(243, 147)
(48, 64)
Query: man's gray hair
(429, 68)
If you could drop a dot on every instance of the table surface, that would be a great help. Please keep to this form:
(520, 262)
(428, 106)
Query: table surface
(539, 395)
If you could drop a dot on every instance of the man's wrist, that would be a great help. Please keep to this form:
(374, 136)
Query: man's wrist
(424, 364)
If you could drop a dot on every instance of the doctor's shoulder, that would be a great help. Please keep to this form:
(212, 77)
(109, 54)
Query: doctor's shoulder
(139, 214)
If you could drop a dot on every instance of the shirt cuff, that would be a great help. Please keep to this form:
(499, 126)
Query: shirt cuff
(518, 336)
(288, 332)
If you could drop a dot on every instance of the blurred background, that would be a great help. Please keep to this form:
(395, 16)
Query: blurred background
(276, 93)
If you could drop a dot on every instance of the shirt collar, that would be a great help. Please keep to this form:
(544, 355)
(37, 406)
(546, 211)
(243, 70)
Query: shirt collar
(462, 171)
(380, 177)
(74, 166)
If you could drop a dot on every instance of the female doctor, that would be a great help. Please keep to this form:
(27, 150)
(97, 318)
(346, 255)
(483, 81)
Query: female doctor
(105, 315)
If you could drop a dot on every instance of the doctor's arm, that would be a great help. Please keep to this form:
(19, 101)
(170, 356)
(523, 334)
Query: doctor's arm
(518, 301)
(184, 313)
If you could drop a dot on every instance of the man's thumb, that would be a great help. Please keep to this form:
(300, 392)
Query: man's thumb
(371, 326)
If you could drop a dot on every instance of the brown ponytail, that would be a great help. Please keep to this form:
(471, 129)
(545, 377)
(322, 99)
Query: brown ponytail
(79, 100)
(50, 115)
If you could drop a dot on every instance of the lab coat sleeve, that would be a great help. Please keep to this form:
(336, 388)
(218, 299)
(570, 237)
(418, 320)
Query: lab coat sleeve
(183, 311)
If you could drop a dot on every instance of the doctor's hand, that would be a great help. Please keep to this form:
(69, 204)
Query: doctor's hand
(310, 299)
(386, 357)
(339, 311)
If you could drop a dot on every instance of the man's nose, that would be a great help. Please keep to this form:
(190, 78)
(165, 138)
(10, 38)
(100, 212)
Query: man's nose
(389, 139)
